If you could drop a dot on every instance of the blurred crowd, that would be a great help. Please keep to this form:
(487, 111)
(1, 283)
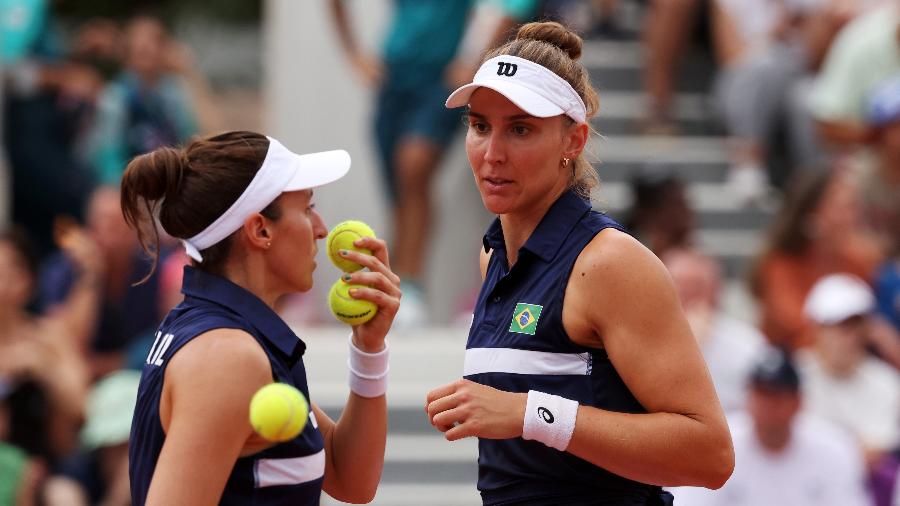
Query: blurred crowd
(806, 91)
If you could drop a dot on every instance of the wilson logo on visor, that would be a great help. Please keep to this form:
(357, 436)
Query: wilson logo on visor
(506, 69)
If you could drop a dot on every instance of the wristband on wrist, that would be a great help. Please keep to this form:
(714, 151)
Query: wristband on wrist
(368, 371)
(549, 419)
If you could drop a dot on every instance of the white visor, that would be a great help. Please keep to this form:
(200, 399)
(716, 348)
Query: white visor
(533, 88)
(281, 171)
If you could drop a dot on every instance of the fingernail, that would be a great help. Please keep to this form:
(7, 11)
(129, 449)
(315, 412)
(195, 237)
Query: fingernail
(343, 252)
(346, 277)
(353, 292)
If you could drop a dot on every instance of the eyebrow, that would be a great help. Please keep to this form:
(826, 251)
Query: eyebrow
(514, 117)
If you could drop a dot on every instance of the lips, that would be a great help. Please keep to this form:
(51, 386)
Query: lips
(496, 183)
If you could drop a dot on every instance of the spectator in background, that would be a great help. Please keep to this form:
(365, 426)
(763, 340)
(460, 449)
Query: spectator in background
(98, 474)
(842, 381)
(48, 97)
(19, 477)
(148, 106)
(125, 311)
(880, 178)
(731, 347)
(783, 457)
(424, 57)
(667, 32)
(865, 53)
(42, 364)
(762, 53)
(660, 215)
(818, 231)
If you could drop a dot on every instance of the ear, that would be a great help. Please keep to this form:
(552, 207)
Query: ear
(257, 232)
(575, 140)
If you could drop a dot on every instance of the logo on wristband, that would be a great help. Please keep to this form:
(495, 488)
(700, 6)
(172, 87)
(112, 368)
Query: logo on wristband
(545, 414)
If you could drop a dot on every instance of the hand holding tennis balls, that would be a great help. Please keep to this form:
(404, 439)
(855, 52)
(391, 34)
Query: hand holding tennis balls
(342, 237)
(278, 412)
(347, 309)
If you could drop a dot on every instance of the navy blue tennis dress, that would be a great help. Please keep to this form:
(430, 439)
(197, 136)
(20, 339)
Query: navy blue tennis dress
(289, 473)
(517, 343)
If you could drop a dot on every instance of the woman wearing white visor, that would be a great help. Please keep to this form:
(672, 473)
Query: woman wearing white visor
(582, 380)
(242, 204)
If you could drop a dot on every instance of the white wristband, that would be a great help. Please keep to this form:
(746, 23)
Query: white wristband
(368, 371)
(549, 419)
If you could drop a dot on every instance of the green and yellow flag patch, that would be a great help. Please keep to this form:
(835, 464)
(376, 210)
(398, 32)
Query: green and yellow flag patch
(525, 318)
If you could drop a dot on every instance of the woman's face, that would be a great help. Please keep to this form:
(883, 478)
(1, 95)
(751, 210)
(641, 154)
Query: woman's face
(840, 210)
(517, 158)
(292, 253)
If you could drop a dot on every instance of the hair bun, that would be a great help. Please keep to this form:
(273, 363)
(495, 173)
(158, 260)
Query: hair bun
(553, 33)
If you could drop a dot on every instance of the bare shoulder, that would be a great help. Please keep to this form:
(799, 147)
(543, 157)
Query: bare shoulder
(620, 276)
(220, 356)
(616, 256)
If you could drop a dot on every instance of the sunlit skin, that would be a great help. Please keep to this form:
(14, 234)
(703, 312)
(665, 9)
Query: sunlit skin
(516, 158)
(518, 162)
(270, 258)
(291, 256)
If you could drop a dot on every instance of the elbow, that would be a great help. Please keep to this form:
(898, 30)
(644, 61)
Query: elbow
(719, 466)
(359, 497)
(359, 493)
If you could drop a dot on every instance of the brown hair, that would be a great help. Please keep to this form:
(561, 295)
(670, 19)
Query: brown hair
(558, 49)
(186, 189)
(790, 232)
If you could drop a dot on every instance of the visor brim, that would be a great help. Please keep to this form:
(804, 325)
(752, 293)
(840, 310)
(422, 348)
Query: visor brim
(525, 99)
(317, 169)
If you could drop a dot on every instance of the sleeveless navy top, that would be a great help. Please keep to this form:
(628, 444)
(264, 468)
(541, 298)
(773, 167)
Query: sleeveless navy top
(517, 343)
(289, 473)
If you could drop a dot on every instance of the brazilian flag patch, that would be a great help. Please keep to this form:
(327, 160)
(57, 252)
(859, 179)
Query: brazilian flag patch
(525, 318)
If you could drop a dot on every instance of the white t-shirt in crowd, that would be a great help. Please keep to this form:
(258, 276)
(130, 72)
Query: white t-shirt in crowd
(731, 351)
(867, 403)
(821, 466)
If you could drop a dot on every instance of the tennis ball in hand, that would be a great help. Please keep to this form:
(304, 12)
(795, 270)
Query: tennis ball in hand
(341, 237)
(278, 412)
(347, 309)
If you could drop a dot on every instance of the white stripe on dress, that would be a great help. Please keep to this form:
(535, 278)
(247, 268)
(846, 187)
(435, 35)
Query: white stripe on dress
(292, 471)
(511, 360)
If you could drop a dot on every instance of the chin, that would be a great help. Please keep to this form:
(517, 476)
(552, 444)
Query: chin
(496, 204)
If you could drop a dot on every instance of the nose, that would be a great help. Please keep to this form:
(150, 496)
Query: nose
(320, 231)
(495, 150)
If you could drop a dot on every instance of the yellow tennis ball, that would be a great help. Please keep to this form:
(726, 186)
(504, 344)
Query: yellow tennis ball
(278, 412)
(347, 309)
(341, 237)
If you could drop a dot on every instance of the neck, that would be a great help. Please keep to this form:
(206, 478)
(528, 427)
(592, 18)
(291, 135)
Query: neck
(518, 226)
(245, 272)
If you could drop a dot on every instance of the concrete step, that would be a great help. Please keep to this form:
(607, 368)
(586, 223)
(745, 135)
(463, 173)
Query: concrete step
(703, 152)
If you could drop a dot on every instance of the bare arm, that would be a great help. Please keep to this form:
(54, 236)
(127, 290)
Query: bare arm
(204, 412)
(844, 134)
(367, 66)
(635, 312)
(77, 313)
(354, 445)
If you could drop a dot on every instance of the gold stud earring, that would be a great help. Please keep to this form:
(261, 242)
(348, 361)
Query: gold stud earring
(269, 244)
(565, 162)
